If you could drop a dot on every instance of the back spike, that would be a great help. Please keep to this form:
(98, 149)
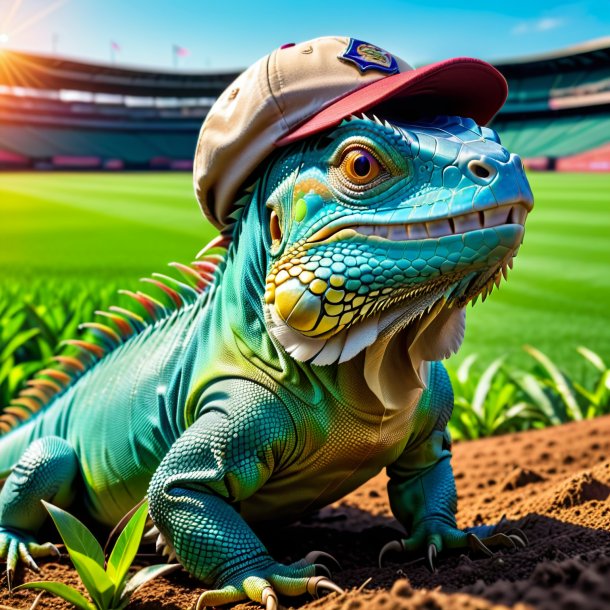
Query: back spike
(205, 266)
(170, 292)
(8, 421)
(91, 350)
(154, 308)
(37, 393)
(18, 411)
(189, 274)
(74, 364)
(186, 291)
(221, 241)
(46, 385)
(56, 374)
(107, 335)
(124, 326)
(137, 321)
(28, 403)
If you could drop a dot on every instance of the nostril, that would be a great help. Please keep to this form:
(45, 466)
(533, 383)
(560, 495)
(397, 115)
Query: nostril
(481, 169)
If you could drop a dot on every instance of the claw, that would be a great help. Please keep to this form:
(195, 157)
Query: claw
(475, 543)
(432, 553)
(315, 556)
(160, 543)
(316, 584)
(395, 546)
(517, 536)
(9, 579)
(322, 570)
(269, 599)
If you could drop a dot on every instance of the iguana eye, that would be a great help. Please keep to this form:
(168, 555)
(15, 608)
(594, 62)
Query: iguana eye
(360, 166)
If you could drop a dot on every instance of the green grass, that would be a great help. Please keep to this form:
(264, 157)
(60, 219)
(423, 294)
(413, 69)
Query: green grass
(106, 228)
(558, 295)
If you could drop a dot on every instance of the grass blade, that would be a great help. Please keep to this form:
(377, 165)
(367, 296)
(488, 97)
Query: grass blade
(483, 387)
(71, 595)
(560, 384)
(145, 575)
(594, 358)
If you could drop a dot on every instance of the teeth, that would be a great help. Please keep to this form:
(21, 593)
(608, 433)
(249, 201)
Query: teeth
(519, 214)
(417, 231)
(381, 230)
(463, 223)
(496, 217)
(398, 233)
(439, 228)
(466, 222)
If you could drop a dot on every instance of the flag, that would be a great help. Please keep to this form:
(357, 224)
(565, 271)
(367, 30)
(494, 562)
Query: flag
(181, 51)
(115, 46)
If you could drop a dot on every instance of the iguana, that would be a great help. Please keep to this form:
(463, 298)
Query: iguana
(291, 368)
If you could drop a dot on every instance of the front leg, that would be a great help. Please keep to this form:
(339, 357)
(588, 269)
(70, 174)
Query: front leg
(422, 488)
(46, 471)
(241, 435)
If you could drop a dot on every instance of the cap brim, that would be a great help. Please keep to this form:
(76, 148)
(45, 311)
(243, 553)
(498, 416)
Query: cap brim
(461, 86)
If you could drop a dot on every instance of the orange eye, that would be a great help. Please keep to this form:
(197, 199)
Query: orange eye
(359, 166)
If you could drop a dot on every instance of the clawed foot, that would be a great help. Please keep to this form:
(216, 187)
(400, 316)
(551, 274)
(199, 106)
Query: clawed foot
(308, 575)
(434, 540)
(18, 546)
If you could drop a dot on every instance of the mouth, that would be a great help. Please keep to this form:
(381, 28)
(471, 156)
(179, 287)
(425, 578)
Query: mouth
(487, 218)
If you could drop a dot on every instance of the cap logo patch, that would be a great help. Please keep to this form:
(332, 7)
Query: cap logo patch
(369, 57)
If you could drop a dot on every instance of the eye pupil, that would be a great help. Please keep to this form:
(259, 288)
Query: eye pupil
(362, 166)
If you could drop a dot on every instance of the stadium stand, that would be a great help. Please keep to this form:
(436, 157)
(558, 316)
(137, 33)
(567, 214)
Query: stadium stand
(63, 114)
(559, 106)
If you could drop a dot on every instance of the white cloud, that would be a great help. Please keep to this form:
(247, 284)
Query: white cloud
(538, 25)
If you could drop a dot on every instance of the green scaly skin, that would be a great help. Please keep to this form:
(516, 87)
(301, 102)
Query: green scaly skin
(311, 363)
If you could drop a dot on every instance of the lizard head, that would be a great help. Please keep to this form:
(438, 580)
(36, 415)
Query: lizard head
(377, 227)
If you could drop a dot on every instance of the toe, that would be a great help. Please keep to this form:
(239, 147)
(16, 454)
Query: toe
(219, 597)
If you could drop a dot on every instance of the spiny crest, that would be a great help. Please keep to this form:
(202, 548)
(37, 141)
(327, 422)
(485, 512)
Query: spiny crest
(118, 326)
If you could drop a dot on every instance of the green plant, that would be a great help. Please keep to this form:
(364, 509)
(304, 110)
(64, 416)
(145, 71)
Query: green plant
(487, 403)
(571, 400)
(107, 584)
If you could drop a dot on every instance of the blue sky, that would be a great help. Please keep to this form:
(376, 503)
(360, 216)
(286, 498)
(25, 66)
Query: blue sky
(233, 33)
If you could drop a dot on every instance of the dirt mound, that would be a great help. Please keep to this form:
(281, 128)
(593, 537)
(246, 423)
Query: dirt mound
(553, 483)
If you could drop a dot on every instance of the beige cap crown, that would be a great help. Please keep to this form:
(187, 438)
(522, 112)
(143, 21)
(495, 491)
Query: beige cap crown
(300, 89)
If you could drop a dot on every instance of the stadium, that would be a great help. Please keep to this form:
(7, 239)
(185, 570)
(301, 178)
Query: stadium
(63, 114)
(96, 192)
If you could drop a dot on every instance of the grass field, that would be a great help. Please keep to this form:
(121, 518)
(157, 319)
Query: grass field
(92, 229)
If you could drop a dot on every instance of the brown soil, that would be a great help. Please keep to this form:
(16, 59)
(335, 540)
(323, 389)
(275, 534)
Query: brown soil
(553, 483)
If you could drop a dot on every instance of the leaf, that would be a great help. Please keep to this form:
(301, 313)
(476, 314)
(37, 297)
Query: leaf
(17, 341)
(145, 575)
(482, 389)
(541, 402)
(62, 590)
(560, 384)
(593, 358)
(463, 371)
(75, 535)
(126, 546)
(96, 581)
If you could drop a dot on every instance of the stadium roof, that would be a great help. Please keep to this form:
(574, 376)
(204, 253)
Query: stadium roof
(31, 71)
(588, 55)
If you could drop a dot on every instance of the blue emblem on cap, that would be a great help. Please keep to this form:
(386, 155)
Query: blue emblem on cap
(369, 57)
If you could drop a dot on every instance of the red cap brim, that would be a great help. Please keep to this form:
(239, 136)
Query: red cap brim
(461, 86)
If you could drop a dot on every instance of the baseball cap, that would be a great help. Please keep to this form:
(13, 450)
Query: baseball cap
(302, 89)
